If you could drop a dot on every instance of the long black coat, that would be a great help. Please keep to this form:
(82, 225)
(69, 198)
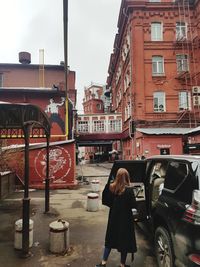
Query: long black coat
(120, 233)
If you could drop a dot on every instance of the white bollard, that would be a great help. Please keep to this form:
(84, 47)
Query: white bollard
(59, 236)
(92, 202)
(18, 234)
(95, 185)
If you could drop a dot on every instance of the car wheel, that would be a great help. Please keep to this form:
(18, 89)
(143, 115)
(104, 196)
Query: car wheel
(163, 248)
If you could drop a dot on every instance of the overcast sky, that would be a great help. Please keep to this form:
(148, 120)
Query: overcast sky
(30, 25)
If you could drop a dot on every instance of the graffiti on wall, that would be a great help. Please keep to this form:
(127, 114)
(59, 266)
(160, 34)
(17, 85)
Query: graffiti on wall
(60, 164)
(52, 109)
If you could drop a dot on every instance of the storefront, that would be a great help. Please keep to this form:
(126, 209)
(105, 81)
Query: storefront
(159, 141)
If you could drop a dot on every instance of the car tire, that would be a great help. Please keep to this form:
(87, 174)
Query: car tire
(163, 248)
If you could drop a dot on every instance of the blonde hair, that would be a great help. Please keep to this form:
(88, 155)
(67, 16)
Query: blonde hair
(122, 180)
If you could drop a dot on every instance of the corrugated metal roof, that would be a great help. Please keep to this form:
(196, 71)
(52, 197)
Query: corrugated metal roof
(158, 131)
(197, 129)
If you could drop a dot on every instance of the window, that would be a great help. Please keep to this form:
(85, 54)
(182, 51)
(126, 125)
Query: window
(157, 65)
(115, 126)
(1, 79)
(181, 30)
(83, 126)
(179, 172)
(127, 111)
(184, 100)
(98, 106)
(159, 102)
(98, 126)
(183, 182)
(182, 63)
(154, 1)
(156, 31)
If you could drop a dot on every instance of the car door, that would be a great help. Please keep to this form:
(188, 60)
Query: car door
(137, 172)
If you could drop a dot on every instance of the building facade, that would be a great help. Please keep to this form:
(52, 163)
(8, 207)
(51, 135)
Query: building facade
(44, 86)
(28, 83)
(99, 131)
(154, 74)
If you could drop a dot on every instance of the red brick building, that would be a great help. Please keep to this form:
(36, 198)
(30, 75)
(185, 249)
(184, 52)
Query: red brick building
(97, 127)
(93, 102)
(154, 74)
(43, 85)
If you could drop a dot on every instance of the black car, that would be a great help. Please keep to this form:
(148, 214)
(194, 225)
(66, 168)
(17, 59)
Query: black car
(167, 190)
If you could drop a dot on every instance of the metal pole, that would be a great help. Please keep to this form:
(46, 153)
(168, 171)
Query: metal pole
(47, 178)
(26, 199)
(65, 24)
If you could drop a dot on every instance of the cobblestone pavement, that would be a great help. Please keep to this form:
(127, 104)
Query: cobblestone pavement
(86, 229)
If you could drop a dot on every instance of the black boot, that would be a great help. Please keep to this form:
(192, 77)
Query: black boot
(100, 265)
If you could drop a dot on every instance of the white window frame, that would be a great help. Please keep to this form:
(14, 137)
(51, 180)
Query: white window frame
(156, 31)
(182, 62)
(158, 65)
(98, 126)
(159, 103)
(83, 126)
(115, 125)
(184, 100)
(127, 113)
(181, 30)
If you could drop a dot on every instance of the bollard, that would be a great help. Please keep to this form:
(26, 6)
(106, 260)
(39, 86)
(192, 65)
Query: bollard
(92, 202)
(59, 236)
(18, 234)
(95, 185)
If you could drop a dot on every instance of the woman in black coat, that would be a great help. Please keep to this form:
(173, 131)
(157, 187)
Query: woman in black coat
(120, 232)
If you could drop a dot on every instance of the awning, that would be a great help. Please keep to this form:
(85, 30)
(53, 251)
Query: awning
(194, 130)
(159, 131)
(94, 143)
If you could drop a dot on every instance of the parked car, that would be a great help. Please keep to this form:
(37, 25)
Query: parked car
(167, 190)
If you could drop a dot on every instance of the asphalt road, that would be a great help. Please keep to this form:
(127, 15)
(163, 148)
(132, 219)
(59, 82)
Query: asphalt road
(86, 229)
(145, 254)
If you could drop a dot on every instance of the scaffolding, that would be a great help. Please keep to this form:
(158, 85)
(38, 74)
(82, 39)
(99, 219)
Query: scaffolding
(188, 74)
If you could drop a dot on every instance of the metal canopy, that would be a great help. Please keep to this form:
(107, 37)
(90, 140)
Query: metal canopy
(26, 121)
(14, 118)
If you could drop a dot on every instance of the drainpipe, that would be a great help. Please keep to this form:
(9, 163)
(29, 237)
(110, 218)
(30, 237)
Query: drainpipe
(133, 144)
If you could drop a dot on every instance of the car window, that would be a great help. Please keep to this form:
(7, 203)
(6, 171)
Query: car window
(158, 170)
(180, 181)
(176, 173)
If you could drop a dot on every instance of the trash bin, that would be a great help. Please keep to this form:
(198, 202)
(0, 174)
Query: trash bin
(92, 202)
(59, 236)
(18, 233)
(95, 185)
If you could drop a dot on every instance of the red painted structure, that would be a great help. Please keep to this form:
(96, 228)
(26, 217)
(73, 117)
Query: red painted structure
(19, 83)
(61, 160)
(92, 102)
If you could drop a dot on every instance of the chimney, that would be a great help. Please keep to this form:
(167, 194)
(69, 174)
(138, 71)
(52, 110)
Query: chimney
(24, 58)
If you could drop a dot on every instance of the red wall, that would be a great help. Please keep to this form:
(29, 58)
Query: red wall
(41, 100)
(61, 161)
(151, 145)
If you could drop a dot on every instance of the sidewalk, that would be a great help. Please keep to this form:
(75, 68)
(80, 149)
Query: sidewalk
(87, 229)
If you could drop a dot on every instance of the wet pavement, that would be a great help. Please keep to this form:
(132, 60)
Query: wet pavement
(86, 229)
